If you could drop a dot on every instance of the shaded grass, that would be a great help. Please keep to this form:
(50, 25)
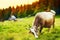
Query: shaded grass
(10, 30)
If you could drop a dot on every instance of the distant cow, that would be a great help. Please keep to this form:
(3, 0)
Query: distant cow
(12, 18)
(42, 19)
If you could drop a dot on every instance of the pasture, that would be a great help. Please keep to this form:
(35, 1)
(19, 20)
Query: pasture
(19, 30)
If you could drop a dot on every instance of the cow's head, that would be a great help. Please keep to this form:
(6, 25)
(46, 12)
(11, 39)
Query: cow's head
(32, 30)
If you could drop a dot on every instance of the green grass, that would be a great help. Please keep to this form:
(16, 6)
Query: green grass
(10, 30)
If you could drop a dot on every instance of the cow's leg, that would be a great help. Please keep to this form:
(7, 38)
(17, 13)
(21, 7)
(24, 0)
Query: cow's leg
(49, 28)
(41, 28)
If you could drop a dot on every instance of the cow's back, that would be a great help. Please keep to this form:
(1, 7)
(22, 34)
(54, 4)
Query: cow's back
(45, 18)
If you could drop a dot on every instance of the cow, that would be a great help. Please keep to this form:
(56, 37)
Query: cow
(12, 18)
(42, 19)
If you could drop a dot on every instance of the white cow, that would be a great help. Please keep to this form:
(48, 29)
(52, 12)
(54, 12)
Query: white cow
(12, 18)
(43, 19)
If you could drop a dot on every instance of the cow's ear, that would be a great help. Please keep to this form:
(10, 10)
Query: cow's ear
(53, 11)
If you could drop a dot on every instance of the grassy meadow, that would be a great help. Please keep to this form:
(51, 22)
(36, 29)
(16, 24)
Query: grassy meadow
(18, 30)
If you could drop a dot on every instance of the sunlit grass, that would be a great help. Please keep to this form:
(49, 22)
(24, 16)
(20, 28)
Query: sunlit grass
(18, 30)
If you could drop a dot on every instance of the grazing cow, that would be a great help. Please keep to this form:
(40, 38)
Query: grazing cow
(12, 18)
(42, 19)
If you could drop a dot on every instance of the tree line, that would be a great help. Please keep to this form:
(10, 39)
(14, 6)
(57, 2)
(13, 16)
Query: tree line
(26, 10)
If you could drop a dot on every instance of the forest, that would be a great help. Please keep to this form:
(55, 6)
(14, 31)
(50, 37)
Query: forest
(29, 9)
